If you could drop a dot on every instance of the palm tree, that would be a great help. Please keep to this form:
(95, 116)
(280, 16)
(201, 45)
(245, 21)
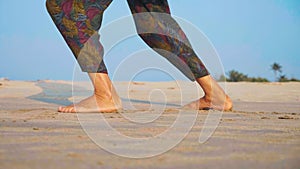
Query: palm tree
(283, 78)
(276, 67)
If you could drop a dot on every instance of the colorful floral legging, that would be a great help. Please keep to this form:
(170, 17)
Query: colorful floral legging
(80, 20)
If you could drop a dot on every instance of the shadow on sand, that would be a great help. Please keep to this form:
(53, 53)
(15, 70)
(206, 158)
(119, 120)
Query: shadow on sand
(58, 93)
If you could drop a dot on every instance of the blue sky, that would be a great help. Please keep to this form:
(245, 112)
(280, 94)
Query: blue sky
(249, 36)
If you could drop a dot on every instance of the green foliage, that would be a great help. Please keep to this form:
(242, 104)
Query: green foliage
(294, 80)
(235, 76)
(282, 78)
(258, 79)
(222, 78)
(276, 67)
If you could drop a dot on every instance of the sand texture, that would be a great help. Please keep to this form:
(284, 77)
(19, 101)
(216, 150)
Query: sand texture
(262, 131)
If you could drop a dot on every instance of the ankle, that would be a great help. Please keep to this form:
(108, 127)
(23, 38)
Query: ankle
(103, 94)
(207, 98)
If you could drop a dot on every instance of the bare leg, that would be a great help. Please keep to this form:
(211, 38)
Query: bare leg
(214, 96)
(104, 99)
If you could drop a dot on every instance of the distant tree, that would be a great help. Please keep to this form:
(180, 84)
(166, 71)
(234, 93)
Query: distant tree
(283, 78)
(235, 76)
(258, 79)
(222, 78)
(276, 67)
(294, 80)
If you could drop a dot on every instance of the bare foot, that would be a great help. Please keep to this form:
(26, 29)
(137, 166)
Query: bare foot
(225, 104)
(105, 98)
(93, 104)
(214, 98)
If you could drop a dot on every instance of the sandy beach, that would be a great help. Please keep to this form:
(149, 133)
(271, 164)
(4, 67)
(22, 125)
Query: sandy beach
(262, 131)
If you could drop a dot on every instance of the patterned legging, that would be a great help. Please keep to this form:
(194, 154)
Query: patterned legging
(80, 20)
